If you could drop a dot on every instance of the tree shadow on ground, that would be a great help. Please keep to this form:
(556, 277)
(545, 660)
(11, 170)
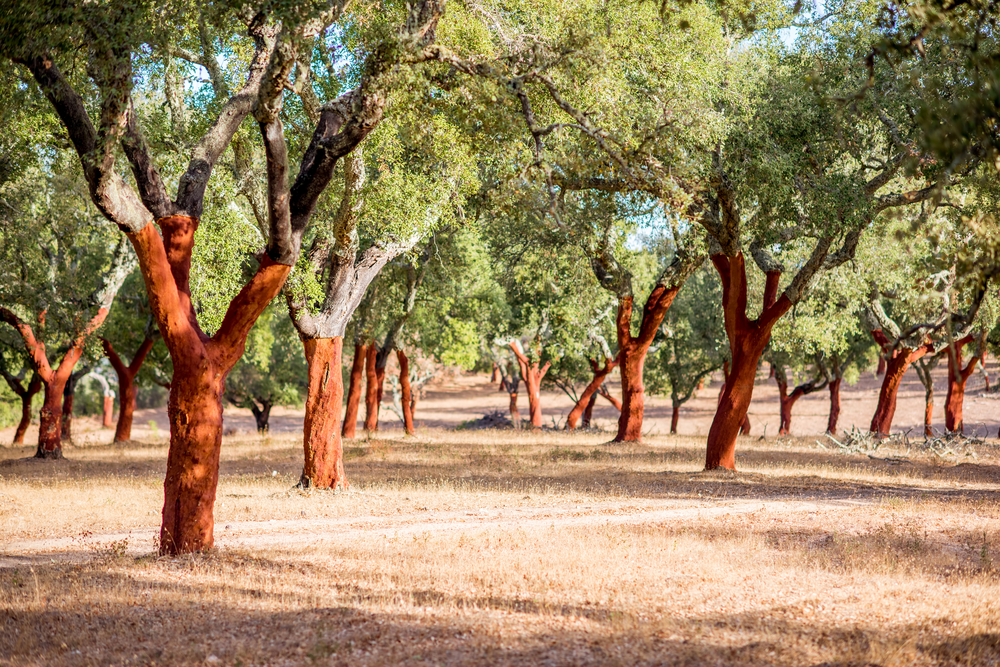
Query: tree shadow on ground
(146, 613)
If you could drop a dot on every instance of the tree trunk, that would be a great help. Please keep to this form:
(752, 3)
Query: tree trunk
(831, 424)
(107, 420)
(34, 386)
(588, 412)
(354, 391)
(747, 340)
(201, 364)
(880, 369)
(406, 392)
(603, 391)
(787, 401)
(532, 376)
(632, 356)
(371, 391)
(590, 392)
(895, 367)
(928, 409)
(50, 420)
(126, 384)
(69, 393)
(324, 452)
(512, 383)
(957, 377)
(675, 413)
(261, 415)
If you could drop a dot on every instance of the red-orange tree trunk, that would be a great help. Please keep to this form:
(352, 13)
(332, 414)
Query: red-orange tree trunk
(600, 372)
(26, 394)
(371, 390)
(354, 390)
(532, 376)
(126, 385)
(957, 377)
(324, 451)
(747, 340)
(201, 364)
(53, 380)
(675, 414)
(897, 361)
(406, 392)
(632, 356)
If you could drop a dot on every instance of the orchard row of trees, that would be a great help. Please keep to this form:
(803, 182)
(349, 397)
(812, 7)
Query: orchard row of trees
(499, 184)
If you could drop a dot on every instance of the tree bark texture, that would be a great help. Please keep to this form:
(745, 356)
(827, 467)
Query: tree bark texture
(371, 390)
(632, 352)
(600, 373)
(354, 390)
(603, 391)
(957, 378)
(126, 385)
(532, 376)
(324, 452)
(897, 361)
(747, 340)
(406, 391)
(201, 364)
(511, 383)
(675, 413)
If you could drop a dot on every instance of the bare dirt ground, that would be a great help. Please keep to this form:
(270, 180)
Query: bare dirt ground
(514, 548)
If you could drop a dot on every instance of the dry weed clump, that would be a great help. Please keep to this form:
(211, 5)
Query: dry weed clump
(508, 548)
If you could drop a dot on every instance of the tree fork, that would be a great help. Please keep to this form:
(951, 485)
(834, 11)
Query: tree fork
(126, 385)
(600, 373)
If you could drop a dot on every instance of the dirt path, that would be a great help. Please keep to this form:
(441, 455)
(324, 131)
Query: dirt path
(317, 532)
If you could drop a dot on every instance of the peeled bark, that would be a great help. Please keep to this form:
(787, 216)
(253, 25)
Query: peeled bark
(107, 420)
(747, 340)
(371, 391)
(880, 369)
(600, 372)
(406, 392)
(957, 378)
(632, 352)
(532, 376)
(201, 364)
(675, 413)
(924, 368)
(126, 385)
(897, 362)
(787, 401)
(69, 393)
(324, 452)
(26, 394)
(831, 424)
(511, 383)
(354, 391)
(928, 410)
(54, 380)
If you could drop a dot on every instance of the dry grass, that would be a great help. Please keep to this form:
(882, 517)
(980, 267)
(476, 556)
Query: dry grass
(508, 548)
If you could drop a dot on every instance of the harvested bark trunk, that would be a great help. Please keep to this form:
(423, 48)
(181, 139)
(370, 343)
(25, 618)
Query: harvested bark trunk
(747, 340)
(532, 376)
(407, 394)
(26, 394)
(603, 391)
(371, 391)
(957, 378)
(787, 401)
(588, 412)
(324, 460)
(632, 352)
(897, 362)
(354, 391)
(600, 373)
(126, 385)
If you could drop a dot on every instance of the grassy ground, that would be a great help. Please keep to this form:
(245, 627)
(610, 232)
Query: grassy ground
(509, 548)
